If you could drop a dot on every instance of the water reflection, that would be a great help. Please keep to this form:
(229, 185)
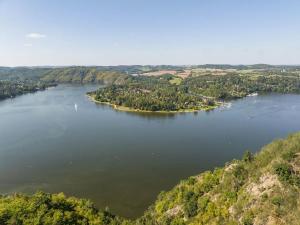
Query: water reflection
(146, 115)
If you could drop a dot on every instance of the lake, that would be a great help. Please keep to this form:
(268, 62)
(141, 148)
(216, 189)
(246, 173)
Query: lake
(123, 160)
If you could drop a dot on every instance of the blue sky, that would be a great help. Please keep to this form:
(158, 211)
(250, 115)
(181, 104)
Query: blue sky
(115, 32)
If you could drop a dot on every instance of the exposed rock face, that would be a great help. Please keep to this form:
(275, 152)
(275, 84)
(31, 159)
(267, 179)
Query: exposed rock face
(259, 190)
(264, 186)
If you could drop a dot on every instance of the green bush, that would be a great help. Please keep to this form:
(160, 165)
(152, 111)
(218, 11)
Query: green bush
(247, 157)
(288, 156)
(51, 209)
(284, 171)
(277, 200)
(248, 218)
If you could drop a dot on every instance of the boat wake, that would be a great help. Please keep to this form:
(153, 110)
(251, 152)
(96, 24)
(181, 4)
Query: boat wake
(76, 107)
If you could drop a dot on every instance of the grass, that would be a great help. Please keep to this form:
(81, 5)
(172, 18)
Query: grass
(176, 81)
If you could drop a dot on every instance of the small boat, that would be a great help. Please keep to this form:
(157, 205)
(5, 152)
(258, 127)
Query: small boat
(225, 106)
(76, 107)
(252, 95)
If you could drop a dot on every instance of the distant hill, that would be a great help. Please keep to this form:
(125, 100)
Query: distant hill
(84, 75)
(22, 73)
(261, 189)
(64, 74)
(118, 74)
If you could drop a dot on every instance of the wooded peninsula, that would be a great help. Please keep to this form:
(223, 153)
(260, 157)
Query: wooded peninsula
(163, 94)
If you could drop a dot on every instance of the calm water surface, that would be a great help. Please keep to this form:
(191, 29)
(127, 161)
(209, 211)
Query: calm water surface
(123, 160)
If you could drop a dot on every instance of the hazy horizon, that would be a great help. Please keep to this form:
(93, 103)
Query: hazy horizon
(208, 64)
(133, 32)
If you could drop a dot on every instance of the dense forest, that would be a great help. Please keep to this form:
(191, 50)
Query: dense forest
(258, 189)
(170, 93)
(153, 94)
(10, 89)
(84, 75)
(233, 86)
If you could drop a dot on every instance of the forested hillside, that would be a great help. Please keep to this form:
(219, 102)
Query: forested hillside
(10, 89)
(22, 73)
(75, 74)
(84, 75)
(259, 189)
(234, 85)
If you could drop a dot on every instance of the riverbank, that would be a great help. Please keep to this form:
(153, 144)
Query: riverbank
(258, 189)
(128, 109)
(12, 89)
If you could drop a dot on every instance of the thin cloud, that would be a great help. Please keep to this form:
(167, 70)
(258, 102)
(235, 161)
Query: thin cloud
(35, 35)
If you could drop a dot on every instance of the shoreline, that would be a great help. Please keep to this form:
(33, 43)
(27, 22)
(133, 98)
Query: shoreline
(128, 109)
